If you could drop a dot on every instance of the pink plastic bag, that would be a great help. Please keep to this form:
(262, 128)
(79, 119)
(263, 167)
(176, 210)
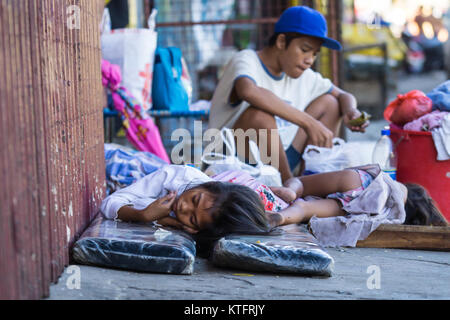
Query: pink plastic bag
(408, 107)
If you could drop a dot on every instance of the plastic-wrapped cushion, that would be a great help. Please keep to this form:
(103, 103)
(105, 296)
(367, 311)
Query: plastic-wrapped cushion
(135, 246)
(291, 249)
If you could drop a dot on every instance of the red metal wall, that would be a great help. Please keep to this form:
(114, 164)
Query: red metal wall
(52, 171)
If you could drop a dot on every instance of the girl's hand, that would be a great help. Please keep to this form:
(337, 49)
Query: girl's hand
(172, 222)
(160, 208)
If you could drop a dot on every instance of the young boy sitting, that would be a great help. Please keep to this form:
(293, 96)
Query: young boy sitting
(275, 88)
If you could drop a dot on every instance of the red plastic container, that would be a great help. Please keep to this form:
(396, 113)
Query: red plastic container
(417, 164)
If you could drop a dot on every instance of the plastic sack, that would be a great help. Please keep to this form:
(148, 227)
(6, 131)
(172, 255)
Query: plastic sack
(319, 159)
(133, 50)
(289, 249)
(440, 97)
(407, 107)
(106, 24)
(135, 246)
(218, 162)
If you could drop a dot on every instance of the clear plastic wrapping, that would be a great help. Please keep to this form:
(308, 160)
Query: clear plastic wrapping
(135, 246)
(290, 249)
(149, 248)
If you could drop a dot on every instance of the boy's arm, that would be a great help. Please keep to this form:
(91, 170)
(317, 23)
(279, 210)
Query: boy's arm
(246, 89)
(348, 106)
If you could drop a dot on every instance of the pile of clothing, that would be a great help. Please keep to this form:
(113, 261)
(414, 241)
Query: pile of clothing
(124, 166)
(416, 111)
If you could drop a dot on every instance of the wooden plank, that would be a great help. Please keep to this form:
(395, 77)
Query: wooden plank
(408, 237)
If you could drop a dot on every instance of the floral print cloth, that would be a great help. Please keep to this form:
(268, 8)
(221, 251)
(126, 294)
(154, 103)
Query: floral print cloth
(271, 201)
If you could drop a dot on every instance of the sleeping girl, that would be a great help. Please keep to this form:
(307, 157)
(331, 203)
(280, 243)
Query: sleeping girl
(234, 202)
(185, 198)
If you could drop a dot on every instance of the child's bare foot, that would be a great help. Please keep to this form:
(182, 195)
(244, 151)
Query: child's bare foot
(284, 193)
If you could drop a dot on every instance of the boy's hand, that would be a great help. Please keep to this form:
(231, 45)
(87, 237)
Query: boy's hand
(350, 114)
(160, 208)
(318, 134)
(349, 110)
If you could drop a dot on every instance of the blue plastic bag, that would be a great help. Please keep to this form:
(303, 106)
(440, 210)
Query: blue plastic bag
(168, 92)
(440, 96)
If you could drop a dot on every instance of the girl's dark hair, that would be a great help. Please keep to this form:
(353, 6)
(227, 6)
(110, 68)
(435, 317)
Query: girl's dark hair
(237, 209)
(421, 209)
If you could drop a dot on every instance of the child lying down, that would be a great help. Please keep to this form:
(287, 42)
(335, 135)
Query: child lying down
(234, 202)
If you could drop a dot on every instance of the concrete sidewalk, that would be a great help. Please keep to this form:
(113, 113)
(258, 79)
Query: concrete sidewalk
(403, 274)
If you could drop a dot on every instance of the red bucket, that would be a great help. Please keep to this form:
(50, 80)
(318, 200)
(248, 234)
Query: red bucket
(417, 164)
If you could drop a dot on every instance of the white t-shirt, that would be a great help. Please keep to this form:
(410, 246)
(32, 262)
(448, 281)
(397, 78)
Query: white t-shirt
(152, 187)
(299, 92)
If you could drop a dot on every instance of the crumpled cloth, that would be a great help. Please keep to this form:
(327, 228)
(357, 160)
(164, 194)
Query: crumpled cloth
(427, 122)
(441, 139)
(124, 166)
(380, 203)
(140, 129)
(111, 75)
(440, 96)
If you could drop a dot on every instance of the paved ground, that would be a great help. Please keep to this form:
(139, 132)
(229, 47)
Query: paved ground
(404, 274)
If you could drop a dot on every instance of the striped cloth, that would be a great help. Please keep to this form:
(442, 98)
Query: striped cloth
(125, 166)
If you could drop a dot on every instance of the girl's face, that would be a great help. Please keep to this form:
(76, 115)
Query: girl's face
(300, 55)
(192, 209)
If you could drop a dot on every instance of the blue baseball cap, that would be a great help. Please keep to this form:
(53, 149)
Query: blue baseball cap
(308, 22)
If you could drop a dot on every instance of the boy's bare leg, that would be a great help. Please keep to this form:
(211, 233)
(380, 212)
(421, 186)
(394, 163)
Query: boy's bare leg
(254, 118)
(326, 110)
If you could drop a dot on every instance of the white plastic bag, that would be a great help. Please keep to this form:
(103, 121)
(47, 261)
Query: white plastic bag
(219, 162)
(319, 159)
(105, 24)
(134, 51)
